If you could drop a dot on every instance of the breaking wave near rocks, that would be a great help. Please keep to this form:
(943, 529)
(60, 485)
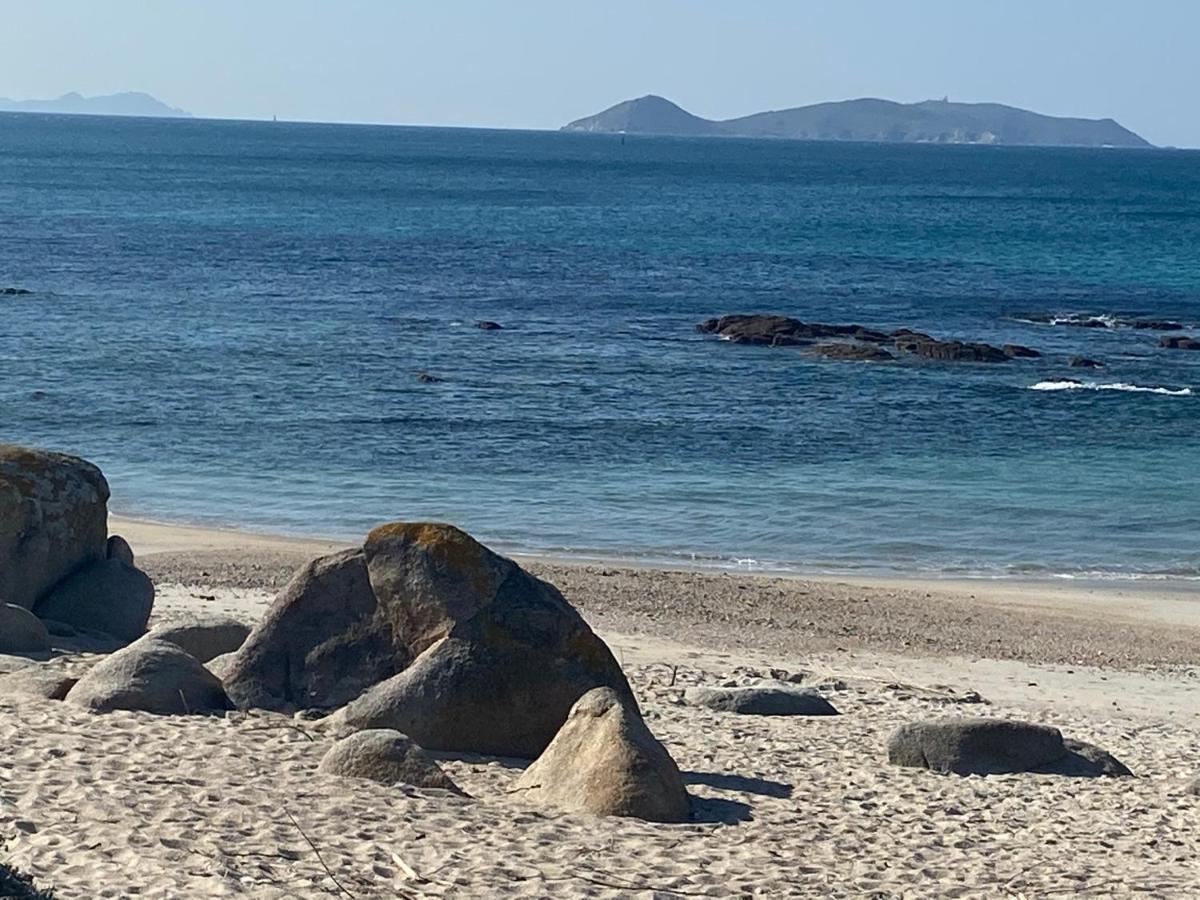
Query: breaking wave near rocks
(1068, 384)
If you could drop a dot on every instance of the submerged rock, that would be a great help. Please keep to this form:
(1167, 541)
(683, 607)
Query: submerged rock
(605, 761)
(53, 520)
(1082, 362)
(1180, 343)
(15, 292)
(426, 378)
(484, 325)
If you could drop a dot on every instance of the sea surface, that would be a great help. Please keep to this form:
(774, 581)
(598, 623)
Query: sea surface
(230, 318)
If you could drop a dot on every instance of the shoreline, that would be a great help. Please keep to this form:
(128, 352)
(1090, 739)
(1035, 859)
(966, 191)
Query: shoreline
(1103, 625)
(218, 535)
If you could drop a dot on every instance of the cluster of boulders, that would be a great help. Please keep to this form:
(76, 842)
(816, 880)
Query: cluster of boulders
(854, 342)
(420, 640)
(60, 572)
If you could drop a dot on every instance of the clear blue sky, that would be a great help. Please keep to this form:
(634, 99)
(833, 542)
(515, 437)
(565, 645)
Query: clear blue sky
(540, 63)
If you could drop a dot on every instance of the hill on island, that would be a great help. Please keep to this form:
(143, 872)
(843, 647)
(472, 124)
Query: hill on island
(929, 122)
(130, 103)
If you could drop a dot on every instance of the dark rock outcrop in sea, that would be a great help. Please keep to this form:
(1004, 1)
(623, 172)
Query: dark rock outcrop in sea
(15, 292)
(446, 641)
(484, 325)
(853, 351)
(1180, 343)
(1017, 351)
(783, 331)
(1083, 362)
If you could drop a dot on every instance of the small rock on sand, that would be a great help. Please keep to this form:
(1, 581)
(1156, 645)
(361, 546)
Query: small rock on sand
(386, 756)
(152, 676)
(605, 761)
(761, 701)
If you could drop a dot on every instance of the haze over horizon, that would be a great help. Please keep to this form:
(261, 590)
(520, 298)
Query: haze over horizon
(541, 64)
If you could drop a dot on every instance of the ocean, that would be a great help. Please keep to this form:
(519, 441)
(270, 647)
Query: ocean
(231, 317)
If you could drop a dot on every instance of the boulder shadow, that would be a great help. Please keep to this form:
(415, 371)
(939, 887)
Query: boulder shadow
(741, 783)
(718, 811)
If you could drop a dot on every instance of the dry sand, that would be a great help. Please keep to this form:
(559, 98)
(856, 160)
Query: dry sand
(132, 805)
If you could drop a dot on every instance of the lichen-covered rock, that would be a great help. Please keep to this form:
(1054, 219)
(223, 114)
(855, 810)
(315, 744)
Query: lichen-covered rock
(108, 596)
(204, 636)
(151, 676)
(21, 631)
(761, 701)
(471, 652)
(605, 761)
(53, 520)
(982, 746)
(387, 757)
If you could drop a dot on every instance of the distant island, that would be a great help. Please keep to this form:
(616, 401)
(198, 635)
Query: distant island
(130, 103)
(929, 122)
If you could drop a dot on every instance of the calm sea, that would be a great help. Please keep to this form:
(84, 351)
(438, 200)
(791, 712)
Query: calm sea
(230, 319)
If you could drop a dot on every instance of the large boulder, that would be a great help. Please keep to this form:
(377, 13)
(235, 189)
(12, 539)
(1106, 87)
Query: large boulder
(605, 761)
(982, 746)
(204, 636)
(152, 676)
(761, 701)
(386, 756)
(53, 520)
(323, 641)
(466, 650)
(21, 631)
(108, 596)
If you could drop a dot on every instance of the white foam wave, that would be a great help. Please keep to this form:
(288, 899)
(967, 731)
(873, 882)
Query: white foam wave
(1071, 385)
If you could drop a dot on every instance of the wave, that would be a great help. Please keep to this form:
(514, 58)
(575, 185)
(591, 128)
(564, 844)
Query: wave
(1069, 384)
(1101, 320)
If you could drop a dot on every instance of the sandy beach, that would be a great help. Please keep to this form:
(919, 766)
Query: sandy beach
(129, 804)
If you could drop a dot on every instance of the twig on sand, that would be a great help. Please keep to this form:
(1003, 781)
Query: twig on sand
(674, 673)
(328, 871)
(273, 726)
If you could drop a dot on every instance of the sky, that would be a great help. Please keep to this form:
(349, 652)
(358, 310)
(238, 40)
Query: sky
(541, 63)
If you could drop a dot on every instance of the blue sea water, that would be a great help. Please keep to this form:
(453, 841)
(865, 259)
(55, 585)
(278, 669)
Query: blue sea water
(229, 318)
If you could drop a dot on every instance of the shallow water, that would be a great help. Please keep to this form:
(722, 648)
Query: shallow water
(230, 317)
